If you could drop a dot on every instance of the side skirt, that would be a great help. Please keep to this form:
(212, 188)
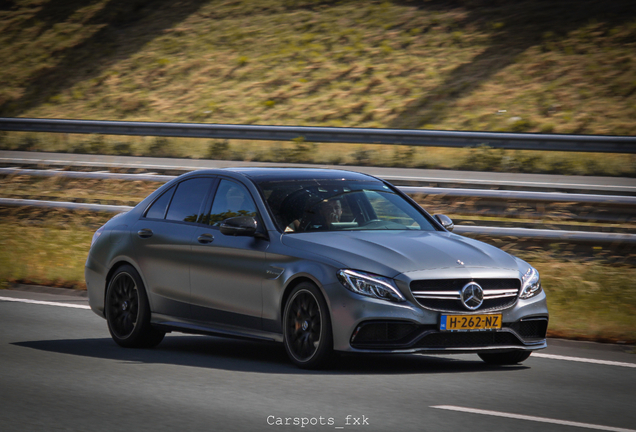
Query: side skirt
(168, 324)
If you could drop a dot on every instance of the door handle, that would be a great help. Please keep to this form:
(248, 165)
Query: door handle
(145, 233)
(205, 238)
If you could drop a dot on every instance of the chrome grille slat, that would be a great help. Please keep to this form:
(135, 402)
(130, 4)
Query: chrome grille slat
(488, 297)
(434, 293)
(438, 297)
(501, 292)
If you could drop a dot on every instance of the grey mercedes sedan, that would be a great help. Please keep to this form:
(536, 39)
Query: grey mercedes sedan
(321, 260)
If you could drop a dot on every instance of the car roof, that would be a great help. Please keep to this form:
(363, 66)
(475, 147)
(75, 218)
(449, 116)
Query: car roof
(273, 174)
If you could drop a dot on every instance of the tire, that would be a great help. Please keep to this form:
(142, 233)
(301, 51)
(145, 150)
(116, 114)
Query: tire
(506, 358)
(307, 332)
(128, 311)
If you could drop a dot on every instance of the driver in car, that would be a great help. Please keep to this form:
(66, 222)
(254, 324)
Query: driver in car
(330, 211)
(321, 216)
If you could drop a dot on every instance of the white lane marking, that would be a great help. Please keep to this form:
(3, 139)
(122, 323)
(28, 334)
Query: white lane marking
(44, 303)
(583, 360)
(532, 418)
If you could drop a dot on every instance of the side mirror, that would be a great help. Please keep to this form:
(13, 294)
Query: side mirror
(445, 221)
(239, 226)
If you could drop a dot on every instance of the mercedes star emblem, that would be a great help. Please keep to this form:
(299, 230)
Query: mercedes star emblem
(472, 296)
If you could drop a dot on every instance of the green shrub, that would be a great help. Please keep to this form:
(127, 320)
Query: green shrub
(518, 124)
(302, 151)
(28, 143)
(96, 144)
(160, 148)
(218, 150)
(80, 148)
(484, 158)
(547, 128)
(402, 156)
(362, 157)
(122, 149)
(522, 162)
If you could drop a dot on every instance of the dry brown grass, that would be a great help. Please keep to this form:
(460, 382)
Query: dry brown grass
(115, 192)
(46, 247)
(527, 66)
(470, 65)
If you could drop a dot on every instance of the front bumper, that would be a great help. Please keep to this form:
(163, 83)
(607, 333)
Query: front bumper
(402, 336)
(363, 324)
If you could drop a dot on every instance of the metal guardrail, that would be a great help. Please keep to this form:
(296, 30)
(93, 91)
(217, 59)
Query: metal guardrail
(12, 202)
(105, 162)
(413, 137)
(536, 234)
(455, 192)
(87, 175)
(522, 195)
(544, 234)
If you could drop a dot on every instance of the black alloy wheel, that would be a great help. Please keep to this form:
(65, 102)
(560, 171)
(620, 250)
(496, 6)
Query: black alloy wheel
(128, 312)
(123, 302)
(307, 328)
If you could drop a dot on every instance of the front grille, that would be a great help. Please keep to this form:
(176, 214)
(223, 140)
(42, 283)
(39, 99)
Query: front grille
(444, 294)
(530, 329)
(468, 340)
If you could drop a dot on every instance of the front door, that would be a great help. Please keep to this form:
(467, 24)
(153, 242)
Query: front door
(226, 272)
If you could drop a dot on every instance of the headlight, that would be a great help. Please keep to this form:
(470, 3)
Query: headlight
(530, 284)
(370, 285)
(97, 234)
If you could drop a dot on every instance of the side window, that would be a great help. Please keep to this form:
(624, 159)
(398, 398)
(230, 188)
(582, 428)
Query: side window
(231, 199)
(188, 199)
(158, 209)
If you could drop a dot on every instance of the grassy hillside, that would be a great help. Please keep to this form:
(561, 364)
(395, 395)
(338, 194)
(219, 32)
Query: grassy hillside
(566, 66)
(528, 66)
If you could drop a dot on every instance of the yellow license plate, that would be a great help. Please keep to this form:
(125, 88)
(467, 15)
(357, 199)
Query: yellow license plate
(470, 322)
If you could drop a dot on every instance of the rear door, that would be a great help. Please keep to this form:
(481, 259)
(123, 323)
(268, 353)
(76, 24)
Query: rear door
(163, 244)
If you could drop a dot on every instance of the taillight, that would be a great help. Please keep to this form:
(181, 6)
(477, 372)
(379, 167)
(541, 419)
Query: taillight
(97, 234)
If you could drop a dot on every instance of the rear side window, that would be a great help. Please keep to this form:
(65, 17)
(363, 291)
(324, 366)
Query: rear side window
(188, 199)
(158, 209)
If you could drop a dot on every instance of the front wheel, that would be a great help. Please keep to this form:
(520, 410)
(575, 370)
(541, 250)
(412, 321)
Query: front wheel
(307, 328)
(506, 358)
(128, 312)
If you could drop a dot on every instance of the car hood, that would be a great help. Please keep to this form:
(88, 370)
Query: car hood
(393, 252)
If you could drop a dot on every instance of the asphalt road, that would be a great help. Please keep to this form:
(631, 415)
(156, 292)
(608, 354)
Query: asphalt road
(621, 185)
(59, 370)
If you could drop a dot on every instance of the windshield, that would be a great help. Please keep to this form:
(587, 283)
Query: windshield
(339, 205)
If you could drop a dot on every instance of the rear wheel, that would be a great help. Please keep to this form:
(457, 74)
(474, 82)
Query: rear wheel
(128, 312)
(307, 328)
(506, 358)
